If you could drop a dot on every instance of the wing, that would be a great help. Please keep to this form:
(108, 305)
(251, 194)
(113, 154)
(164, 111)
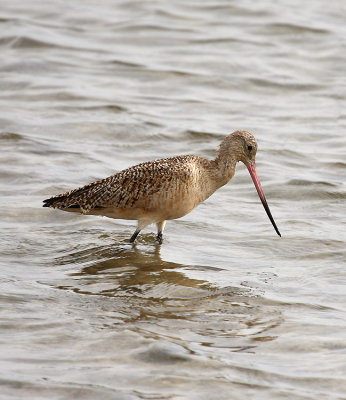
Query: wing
(129, 188)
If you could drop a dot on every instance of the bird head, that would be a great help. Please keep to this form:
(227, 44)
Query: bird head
(242, 146)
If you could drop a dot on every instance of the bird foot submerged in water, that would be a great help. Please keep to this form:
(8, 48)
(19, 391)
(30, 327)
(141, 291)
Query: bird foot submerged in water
(159, 237)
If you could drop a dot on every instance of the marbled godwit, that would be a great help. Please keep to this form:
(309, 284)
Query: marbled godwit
(156, 191)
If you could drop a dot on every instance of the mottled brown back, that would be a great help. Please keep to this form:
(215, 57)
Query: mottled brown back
(127, 188)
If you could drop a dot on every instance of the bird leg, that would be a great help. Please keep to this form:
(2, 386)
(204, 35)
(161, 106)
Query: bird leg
(159, 237)
(141, 224)
(160, 227)
(134, 236)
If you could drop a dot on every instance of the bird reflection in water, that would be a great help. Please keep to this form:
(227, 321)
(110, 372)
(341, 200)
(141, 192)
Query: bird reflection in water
(141, 288)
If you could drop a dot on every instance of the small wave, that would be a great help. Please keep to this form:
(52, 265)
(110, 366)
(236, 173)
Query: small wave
(336, 164)
(24, 42)
(192, 134)
(298, 189)
(285, 84)
(223, 40)
(11, 136)
(126, 64)
(287, 28)
(304, 182)
(107, 107)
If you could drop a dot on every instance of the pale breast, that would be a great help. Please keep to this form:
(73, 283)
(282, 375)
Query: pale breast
(185, 185)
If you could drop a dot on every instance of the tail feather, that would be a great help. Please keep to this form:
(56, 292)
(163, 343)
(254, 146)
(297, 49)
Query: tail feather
(59, 201)
(69, 199)
(77, 198)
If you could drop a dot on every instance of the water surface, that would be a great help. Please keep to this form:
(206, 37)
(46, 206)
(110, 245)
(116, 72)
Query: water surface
(224, 309)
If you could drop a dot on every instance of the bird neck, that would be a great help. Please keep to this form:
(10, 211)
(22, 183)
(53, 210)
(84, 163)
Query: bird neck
(224, 167)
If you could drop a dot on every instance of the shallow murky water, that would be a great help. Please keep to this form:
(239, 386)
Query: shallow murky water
(224, 309)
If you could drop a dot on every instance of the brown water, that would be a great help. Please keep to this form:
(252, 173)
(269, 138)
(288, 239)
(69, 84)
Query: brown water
(224, 309)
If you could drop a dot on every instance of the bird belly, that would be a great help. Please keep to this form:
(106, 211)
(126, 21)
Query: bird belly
(111, 212)
(155, 211)
(121, 213)
(159, 213)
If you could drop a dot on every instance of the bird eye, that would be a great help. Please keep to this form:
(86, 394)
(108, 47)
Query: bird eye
(249, 148)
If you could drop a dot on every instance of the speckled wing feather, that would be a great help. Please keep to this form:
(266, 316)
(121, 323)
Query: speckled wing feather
(127, 188)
